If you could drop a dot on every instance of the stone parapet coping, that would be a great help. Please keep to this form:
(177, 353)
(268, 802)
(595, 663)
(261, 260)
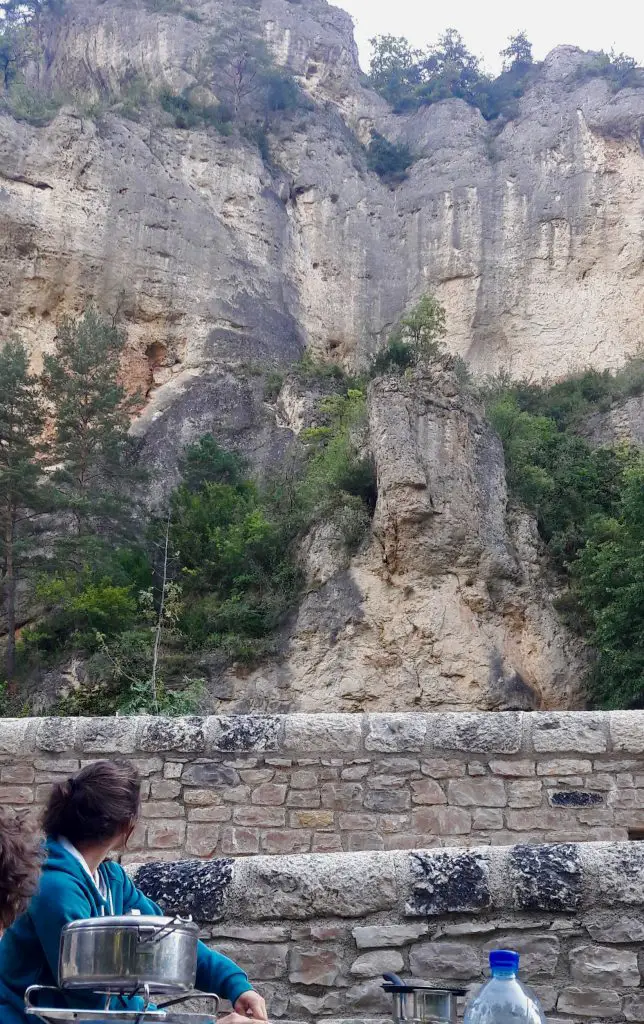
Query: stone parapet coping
(509, 732)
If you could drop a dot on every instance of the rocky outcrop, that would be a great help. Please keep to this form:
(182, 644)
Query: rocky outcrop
(447, 606)
(623, 423)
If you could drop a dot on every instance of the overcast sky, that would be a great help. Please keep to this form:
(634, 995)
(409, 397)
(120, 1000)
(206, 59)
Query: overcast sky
(591, 24)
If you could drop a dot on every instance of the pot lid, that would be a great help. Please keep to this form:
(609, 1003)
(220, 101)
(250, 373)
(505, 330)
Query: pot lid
(132, 921)
(394, 984)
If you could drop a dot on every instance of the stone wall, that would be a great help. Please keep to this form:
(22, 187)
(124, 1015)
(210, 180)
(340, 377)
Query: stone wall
(323, 783)
(316, 932)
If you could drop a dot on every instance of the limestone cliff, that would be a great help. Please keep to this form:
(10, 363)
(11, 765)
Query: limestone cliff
(446, 607)
(223, 260)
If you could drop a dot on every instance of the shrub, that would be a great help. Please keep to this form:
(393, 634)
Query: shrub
(189, 114)
(389, 160)
(36, 107)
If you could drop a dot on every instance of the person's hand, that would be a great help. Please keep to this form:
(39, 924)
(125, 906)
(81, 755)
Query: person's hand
(251, 1004)
(232, 1018)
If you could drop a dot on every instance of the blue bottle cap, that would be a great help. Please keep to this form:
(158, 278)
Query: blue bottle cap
(504, 960)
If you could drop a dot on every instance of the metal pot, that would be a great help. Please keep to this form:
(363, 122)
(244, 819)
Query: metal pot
(418, 1001)
(123, 955)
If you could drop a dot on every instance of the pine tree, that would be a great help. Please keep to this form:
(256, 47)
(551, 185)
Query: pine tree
(23, 488)
(91, 448)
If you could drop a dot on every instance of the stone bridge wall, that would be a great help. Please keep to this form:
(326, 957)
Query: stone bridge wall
(315, 932)
(323, 783)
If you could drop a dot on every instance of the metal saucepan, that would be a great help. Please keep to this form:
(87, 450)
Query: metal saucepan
(418, 1001)
(123, 955)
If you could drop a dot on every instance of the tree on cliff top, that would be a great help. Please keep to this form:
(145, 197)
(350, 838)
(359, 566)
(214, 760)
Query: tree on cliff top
(23, 489)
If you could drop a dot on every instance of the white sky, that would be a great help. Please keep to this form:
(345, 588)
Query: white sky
(486, 24)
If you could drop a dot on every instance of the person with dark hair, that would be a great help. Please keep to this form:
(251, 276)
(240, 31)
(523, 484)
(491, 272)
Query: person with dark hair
(88, 817)
(20, 860)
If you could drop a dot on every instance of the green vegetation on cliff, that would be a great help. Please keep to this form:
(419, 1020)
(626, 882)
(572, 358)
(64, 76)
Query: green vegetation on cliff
(589, 506)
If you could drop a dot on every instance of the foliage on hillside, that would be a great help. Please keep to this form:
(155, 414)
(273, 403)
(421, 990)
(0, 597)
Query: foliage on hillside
(589, 505)
(410, 78)
(142, 601)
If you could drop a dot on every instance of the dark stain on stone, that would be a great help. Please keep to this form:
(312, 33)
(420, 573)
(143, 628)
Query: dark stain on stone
(248, 732)
(546, 877)
(210, 776)
(576, 799)
(188, 887)
(184, 734)
(448, 883)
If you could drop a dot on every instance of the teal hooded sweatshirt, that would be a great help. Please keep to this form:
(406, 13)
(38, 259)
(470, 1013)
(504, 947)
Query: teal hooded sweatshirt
(29, 948)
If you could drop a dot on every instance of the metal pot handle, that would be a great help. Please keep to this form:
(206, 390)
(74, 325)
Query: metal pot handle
(160, 932)
(192, 995)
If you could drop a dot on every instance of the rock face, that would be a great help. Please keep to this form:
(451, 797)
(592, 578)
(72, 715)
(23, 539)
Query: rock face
(223, 262)
(446, 608)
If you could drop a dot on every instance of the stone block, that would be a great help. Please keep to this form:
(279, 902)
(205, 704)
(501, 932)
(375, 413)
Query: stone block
(564, 767)
(441, 821)
(387, 800)
(252, 733)
(269, 794)
(546, 877)
(261, 960)
(618, 876)
(17, 774)
(18, 795)
(355, 773)
(570, 731)
(385, 782)
(211, 774)
(43, 792)
(286, 841)
(236, 795)
(260, 817)
(527, 793)
(239, 841)
(192, 887)
(366, 998)
(387, 935)
(343, 796)
(310, 819)
(589, 1002)
(474, 733)
(396, 733)
(304, 779)
(476, 793)
(164, 789)
(439, 768)
(201, 797)
(162, 809)
(301, 1004)
(393, 823)
(487, 818)
(621, 927)
(253, 933)
(574, 798)
(539, 953)
(356, 841)
(256, 776)
(634, 1006)
(306, 888)
(166, 835)
(323, 734)
(326, 842)
(202, 840)
(65, 766)
(448, 883)
(54, 736)
(185, 735)
(374, 964)
(172, 770)
(211, 813)
(627, 731)
(449, 961)
(604, 965)
(325, 932)
(476, 768)
(427, 791)
(358, 822)
(513, 769)
(310, 965)
(306, 798)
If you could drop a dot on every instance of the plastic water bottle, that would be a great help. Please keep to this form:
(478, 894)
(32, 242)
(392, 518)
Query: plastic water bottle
(504, 1000)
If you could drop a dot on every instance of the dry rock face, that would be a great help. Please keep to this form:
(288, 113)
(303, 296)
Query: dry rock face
(223, 263)
(446, 608)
